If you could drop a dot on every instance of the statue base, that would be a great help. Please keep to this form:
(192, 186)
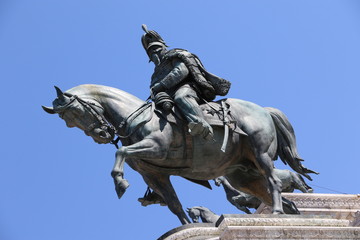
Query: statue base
(337, 206)
(323, 216)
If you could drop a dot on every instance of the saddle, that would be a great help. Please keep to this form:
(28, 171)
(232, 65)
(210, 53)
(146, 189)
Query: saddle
(215, 113)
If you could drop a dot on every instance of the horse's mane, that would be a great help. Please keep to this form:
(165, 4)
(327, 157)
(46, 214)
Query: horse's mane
(102, 91)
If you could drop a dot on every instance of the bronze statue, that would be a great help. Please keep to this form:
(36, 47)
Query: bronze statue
(158, 145)
(179, 77)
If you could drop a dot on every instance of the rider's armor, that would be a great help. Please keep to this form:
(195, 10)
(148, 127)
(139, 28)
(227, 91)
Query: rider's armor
(185, 80)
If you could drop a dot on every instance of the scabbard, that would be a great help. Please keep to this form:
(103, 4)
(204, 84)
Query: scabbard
(226, 126)
(226, 137)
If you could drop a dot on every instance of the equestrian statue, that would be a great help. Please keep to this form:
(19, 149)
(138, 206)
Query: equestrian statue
(181, 131)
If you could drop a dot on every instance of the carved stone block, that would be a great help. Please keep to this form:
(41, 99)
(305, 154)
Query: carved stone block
(323, 216)
(338, 206)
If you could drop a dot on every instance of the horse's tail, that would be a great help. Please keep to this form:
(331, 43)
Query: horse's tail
(286, 149)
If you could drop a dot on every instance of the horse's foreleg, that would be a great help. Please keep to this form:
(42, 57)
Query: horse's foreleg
(161, 184)
(145, 149)
(117, 173)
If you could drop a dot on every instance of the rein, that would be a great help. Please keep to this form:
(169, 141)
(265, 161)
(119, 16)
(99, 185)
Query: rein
(136, 113)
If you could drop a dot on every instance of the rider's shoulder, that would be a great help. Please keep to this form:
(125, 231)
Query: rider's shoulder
(178, 53)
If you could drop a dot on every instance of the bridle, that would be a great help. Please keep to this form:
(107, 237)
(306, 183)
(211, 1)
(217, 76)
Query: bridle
(91, 108)
(106, 125)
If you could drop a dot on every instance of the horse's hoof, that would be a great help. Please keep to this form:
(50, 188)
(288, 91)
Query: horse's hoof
(143, 202)
(120, 193)
(121, 187)
(278, 212)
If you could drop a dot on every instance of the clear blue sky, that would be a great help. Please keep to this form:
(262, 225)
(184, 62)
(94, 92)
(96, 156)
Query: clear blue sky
(299, 56)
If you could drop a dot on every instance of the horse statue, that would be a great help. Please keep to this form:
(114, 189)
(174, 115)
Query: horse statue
(205, 214)
(243, 201)
(158, 145)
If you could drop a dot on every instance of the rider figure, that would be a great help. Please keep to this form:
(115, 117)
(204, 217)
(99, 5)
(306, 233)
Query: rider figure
(182, 78)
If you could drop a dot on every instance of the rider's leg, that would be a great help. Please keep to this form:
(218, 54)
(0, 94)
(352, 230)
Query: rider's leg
(187, 100)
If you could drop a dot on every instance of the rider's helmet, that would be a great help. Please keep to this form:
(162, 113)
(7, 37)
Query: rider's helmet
(151, 38)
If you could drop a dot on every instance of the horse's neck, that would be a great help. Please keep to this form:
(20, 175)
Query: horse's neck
(118, 104)
(207, 215)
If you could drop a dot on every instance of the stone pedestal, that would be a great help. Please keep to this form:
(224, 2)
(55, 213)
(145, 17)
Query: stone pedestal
(338, 206)
(323, 216)
(264, 226)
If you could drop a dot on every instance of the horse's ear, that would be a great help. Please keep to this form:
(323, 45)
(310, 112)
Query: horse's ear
(60, 94)
(58, 91)
(48, 110)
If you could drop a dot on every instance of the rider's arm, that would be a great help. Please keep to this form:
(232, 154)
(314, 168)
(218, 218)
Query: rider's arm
(176, 75)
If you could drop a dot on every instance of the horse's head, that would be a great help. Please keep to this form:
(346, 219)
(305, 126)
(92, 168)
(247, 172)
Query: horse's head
(194, 214)
(86, 115)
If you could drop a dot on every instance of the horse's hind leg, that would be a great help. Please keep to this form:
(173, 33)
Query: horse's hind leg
(266, 186)
(161, 184)
(264, 145)
(257, 186)
(265, 166)
(252, 184)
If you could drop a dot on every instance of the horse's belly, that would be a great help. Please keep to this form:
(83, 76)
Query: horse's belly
(208, 160)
